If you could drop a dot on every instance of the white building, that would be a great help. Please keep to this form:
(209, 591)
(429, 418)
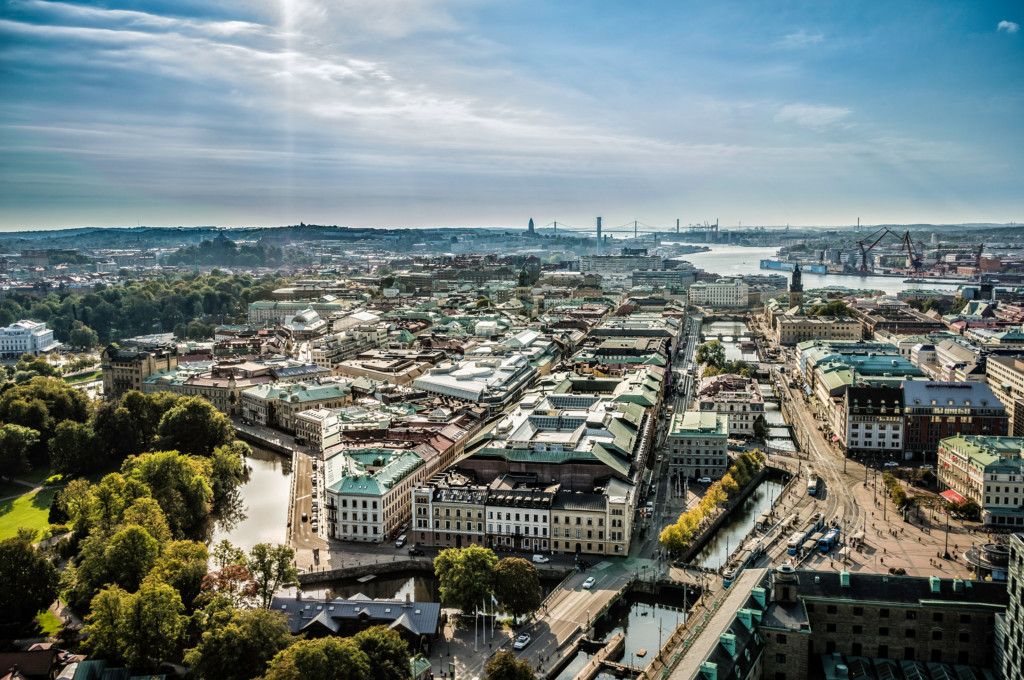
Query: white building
(495, 383)
(698, 442)
(736, 397)
(26, 337)
(721, 293)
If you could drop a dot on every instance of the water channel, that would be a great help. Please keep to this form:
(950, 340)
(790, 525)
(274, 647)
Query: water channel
(260, 513)
(728, 536)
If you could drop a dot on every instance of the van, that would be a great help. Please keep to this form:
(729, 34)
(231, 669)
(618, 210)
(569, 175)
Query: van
(401, 541)
(540, 559)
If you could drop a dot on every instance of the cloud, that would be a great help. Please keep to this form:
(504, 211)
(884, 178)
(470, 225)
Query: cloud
(801, 39)
(1008, 26)
(810, 115)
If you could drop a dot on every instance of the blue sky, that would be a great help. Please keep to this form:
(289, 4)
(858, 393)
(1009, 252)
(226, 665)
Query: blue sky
(469, 113)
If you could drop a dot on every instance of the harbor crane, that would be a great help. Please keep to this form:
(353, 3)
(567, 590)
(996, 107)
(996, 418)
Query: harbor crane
(867, 244)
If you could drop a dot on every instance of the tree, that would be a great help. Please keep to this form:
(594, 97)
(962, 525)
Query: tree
(224, 468)
(153, 623)
(729, 485)
(387, 652)
(105, 624)
(28, 581)
(73, 448)
(328, 658)
(181, 565)
(129, 557)
(194, 426)
(146, 513)
(15, 442)
(225, 554)
(241, 648)
(761, 429)
(232, 584)
(466, 576)
(505, 666)
(178, 483)
(517, 586)
(271, 567)
(711, 353)
(83, 336)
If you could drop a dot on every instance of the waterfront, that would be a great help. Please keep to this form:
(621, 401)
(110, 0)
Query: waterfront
(727, 260)
(728, 536)
(260, 511)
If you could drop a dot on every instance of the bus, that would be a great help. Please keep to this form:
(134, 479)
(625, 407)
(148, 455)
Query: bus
(829, 541)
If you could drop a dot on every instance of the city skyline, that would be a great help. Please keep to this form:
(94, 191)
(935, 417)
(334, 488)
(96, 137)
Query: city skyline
(464, 114)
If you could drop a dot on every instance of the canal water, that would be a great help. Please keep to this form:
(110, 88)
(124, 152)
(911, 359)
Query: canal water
(717, 550)
(729, 260)
(259, 511)
(730, 331)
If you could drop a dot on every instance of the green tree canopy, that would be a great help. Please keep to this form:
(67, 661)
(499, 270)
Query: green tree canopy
(761, 429)
(387, 652)
(28, 582)
(466, 576)
(517, 585)
(240, 648)
(194, 426)
(328, 658)
(73, 448)
(711, 353)
(179, 483)
(271, 567)
(15, 442)
(505, 666)
(140, 629)
(182, 565)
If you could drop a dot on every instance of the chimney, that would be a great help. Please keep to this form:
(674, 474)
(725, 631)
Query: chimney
(709, 671)
(728, 641)
(746, 619)
(934, 584)
(844, 579)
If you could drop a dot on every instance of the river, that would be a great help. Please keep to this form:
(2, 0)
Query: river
(260, 513)
(717, 550)
(736, 260)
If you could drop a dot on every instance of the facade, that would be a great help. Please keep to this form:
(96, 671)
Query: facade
(698, 444)
(26, 337)
(721, 293)
(988, 471)
(620, 264)
(1010, 653)
(448, 512)
(873, 422)
(737, 398)
(934, 411)
(124, 370)
(319, 428)
(276, 311)
(277, 404)
(793, 329)
(593, 523)
(1006, 378)
(333, 349)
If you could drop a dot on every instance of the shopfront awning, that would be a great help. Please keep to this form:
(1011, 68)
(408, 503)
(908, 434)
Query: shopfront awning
(835, 437)
(952, 496)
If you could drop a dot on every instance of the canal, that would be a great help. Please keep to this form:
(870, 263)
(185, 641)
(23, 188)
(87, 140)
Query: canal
(259, 511)
(739, 523)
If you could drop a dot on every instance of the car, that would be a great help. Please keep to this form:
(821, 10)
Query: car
(415, 552)
(540, 559)
(891, 463)
(305, 517)
(400, 542)
(704, 480)
(522, 641)
(926, 467)
(589, 583)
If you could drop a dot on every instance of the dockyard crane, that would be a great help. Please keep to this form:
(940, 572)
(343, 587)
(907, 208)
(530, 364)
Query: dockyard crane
(866, 245)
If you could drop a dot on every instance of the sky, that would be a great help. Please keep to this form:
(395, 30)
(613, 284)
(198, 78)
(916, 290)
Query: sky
(435, 113)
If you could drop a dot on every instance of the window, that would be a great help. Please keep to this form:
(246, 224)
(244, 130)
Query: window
(965, 618)
(858, 611)
(780, 638)
(883, 632)
(830, 609)
(780, 658)
(857, 630)
(830, 628)
(883, 651)
(936, 635)
(910, 633)
(883, 613)
(965, 637)
(937, 617)
(856, 649)
(911, 616)
(908, 653)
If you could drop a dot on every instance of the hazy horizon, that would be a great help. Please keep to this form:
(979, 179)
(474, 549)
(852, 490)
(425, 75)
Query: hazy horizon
(459, 113)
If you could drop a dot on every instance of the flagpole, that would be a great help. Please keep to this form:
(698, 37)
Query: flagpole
(476, 624)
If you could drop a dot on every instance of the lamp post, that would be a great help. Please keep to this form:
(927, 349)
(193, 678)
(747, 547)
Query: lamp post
(945, 551)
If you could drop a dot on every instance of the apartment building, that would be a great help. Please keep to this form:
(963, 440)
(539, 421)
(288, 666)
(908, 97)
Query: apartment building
(738, 398)
(1006, 378)
(722, 293)
(873, 422)
(698, 444)
(1010, 625)
(988, 471)
(934, 411)
(790, 330)
(126, 369)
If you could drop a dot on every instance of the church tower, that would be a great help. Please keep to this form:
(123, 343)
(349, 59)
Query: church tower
(529, 228)
(796, 289)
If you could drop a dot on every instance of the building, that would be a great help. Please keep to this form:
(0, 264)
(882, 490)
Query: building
(1010, 653)
(127, 369)
(593, 523)
(1006, 378)
(26, 337)
(934, 411)
(721, 293)
(872, 422)
(796, 289)
(277, 311)
(988, 471)
(333, 349)
(739, 399)
(274, 404)
(416, 622)
(448, 512)
(494, 383)
(698, 444)
(880, 619)
(792, 329)
(620, 264)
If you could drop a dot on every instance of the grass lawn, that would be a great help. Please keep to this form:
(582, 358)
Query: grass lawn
(47, 623)
(30, 510)
(82, 377)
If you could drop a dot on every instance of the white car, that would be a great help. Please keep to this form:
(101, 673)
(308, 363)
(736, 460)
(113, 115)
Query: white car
(522, 641)
(704, 480)
(926, 467)
(891, 463)
(589, 583)
(540, 559)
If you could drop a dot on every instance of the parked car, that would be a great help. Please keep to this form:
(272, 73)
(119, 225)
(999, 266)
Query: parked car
(541, 559)
(589, 583)
(415, 552)
(704, 480)
(522, 641)
(891, 463)
(926, 467)
(305, 517)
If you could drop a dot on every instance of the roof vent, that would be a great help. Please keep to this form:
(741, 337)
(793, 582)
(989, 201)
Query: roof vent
(934, 584)
(844, 579)
(958, 585)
